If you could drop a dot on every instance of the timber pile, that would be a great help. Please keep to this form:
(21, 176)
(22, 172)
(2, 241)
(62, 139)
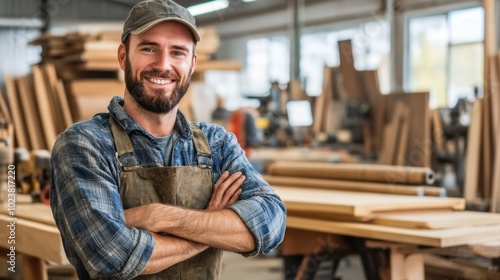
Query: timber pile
(382, 202)
(482, 166)
(39, 107)
(87, 63)
(399, 127)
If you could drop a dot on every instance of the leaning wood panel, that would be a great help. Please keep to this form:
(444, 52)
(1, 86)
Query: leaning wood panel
(355, 172)
(351, 77)
(20, 130)
(436, 219)
(473, 152)
(50, 78)
(359, 204)
(419, 146)
(44, 107)
(428, 237)
(30, 110)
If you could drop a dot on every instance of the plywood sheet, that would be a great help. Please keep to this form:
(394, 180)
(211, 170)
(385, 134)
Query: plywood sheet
(428, 237)
(388, 174)
(358, 203)
(437, 219)
(350, 77)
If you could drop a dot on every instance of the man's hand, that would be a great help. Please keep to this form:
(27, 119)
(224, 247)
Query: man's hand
(226, 191)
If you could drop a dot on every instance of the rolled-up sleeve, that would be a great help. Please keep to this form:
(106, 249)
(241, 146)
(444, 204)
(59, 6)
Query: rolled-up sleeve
(87, 208)
(260, 208)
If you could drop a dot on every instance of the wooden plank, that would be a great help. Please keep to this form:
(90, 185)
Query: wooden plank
(35, 239)
(404, 134)
(4, 109)
(358, 203)
(34, 268)
(21, 133)
(436, 219)
(495, 102)
(301, 242)
(392, 135)
(320, 105)
(419, 146)
(44, 107)
(63, 101)
(447, 269)
(33, 124)
(437, 129)
(388, 174)
(350, 77)
(356, 186)
(427, 237)
(50, 78)
(473, 152)
(36, 212)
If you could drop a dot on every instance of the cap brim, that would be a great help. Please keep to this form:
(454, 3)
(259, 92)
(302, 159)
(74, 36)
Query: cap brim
(145, 27)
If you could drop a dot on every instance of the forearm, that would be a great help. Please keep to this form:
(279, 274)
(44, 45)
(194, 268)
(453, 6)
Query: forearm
(221, 229)
(170, 250)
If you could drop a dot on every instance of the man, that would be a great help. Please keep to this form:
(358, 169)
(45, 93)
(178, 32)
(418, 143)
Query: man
(133, 190)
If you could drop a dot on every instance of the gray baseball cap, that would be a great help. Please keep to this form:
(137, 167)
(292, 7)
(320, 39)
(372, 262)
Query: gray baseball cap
(148, 13)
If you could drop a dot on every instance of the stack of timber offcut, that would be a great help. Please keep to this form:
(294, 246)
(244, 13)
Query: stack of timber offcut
(398, 129)
(39, 107)
(395, 206)
(87, 62)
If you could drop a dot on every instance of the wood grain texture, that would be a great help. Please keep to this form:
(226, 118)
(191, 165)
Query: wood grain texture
(436, 219)
(359, 204)
(20, 131)
(35, 239)
(344, 185)
(36, 212)
(428, 237)
(45, 109)
(4, 109)
(473, 152)
(30, 110)
(388, 174)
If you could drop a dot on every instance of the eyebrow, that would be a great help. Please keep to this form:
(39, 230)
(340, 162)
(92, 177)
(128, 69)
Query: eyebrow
(155, 44)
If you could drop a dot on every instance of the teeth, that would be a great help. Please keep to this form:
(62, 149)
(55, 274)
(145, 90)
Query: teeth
(158, 81)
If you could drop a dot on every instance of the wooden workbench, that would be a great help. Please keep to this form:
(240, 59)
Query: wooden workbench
(37, 239)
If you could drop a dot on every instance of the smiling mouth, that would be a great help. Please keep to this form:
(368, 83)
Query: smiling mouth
(159, 81)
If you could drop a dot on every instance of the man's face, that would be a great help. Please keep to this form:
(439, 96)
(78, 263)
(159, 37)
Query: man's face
(158, 66)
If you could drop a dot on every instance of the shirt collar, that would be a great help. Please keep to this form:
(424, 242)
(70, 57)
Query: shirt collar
(115, 108)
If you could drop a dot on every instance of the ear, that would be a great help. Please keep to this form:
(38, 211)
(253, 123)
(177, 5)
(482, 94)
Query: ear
(193, 64)
(122, 56)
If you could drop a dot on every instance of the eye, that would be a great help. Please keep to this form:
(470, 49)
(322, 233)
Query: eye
(177, 53)
(148, 50)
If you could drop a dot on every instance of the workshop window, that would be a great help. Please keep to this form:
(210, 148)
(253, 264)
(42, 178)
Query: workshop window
(268, 60)
(445, 55)
(371, 47)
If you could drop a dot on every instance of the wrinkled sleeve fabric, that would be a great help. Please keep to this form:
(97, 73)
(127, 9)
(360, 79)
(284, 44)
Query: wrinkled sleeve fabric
(87, 208)
(260, 208)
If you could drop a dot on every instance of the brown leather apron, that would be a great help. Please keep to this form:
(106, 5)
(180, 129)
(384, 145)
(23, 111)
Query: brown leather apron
(185, 186)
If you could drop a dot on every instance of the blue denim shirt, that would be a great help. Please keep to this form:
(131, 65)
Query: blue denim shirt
(86, 203)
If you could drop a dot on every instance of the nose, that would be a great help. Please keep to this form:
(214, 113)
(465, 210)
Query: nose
(164, 62)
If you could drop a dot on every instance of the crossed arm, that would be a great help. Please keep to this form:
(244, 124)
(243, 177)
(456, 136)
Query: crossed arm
(192, 231)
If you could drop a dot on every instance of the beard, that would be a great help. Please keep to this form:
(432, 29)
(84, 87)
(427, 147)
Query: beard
(157, 103)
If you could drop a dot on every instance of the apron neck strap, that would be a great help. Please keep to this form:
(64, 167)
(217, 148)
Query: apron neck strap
(123, 145)
(203, 154)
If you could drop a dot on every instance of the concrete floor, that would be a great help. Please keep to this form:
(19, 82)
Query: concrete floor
(237, 267)
(271, 268)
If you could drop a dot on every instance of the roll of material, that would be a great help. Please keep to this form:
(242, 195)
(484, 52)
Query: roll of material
(356, 186)
(388, 174)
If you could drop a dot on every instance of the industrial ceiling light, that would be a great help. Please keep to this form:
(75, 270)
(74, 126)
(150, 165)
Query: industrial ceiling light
(208, 7)
(246, 1)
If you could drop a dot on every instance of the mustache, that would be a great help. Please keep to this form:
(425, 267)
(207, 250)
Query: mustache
(159, 74)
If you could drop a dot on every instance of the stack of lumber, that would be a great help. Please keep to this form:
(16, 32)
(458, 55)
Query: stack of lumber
(88, 65)
(389, 204)
(398, 130)
(6, 125)
(482, 167)
(39, 107)
(388, 179)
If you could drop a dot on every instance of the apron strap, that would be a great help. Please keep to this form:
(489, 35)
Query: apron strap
(123, 145)
(203, 153)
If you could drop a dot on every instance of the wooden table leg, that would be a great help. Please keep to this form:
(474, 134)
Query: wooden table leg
(34, 268)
